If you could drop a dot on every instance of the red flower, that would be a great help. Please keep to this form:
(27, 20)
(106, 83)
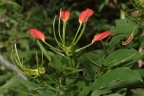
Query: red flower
(101, 36)
(37, 34)
(64, 15)
(85, 15)
(128, 40)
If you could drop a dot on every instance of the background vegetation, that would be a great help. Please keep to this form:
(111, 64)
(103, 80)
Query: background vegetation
(18, 16)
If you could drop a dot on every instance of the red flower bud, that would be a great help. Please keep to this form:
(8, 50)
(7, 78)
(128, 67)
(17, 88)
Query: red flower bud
(64, 15)
(37, 34)
(101, 36)
(85, 15)
(128, 40)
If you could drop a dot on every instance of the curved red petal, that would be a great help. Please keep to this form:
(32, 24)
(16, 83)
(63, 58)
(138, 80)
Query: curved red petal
(64, 15)
(37, 34)
(85, 15)
(101, 36)
(128, 40)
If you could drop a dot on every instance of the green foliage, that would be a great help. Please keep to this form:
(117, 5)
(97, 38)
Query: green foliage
(122, 56)
(121, 77)
(106, 68)
(125, 26)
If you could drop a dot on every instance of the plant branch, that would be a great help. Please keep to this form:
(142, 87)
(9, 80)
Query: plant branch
(10, 66)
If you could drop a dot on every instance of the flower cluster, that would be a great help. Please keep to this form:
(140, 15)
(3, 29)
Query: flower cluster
(64, 16)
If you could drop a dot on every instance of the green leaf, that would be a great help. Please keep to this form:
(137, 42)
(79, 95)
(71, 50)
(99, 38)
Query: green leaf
(92, 58)
(115, 95)
(46, 53)
(99, 92)
(113, 79)
(55, 62)
(34, 87)
(11, 83)
(121, 74)
(124, 26)
(121, 56)
(141, 72)
(116, 40)
(72, 71)
(5, 77)
(22, 91)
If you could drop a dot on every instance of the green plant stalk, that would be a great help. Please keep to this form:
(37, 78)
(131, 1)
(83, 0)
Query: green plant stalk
(74, 60)
(84, 25)
(104, 47)
(37, 62)
(28, 72)
(69, 60)
(77, 33)
(49, 87)
(59, 30)
(100, 71)
(54, 49)
(42, 59)
(52, 80)
(83, 47)
(64, 29)
(58, 43)
(17, 55)
(17, 61)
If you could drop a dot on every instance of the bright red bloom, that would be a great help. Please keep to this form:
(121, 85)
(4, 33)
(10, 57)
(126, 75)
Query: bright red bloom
(85, 15)
(101, 36)
(37, 34)
(128, 40)
(64, 15)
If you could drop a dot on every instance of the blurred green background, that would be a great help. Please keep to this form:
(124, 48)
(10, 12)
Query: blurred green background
(18, 16)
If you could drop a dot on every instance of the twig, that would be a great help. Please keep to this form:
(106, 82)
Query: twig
(10, 66)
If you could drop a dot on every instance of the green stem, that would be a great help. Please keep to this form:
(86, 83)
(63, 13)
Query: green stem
(51, 80)
(73, 59)
(50, 86)
(83, 47)
(59, 44)
(64, 29)
(104, 47)
(77, 32)
(84, 25)
(69, 60)
(52, 47)
(59, 32)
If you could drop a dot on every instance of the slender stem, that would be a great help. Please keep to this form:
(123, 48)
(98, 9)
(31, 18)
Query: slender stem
(17, 55)
(103, 45)
(69, 60)
(77, 32)
(52, 47)
(64, 29)
(50, 86)
(134, 5)
(59, 44)
(68, 57)
(59, 30)
(53, 81)
(84, 25)
(83, 47)
(74, 60)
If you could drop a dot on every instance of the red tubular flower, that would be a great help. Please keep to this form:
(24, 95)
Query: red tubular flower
(64, 15)
(37, 34)
(101, 36)
(85, 15)
(128, 40)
